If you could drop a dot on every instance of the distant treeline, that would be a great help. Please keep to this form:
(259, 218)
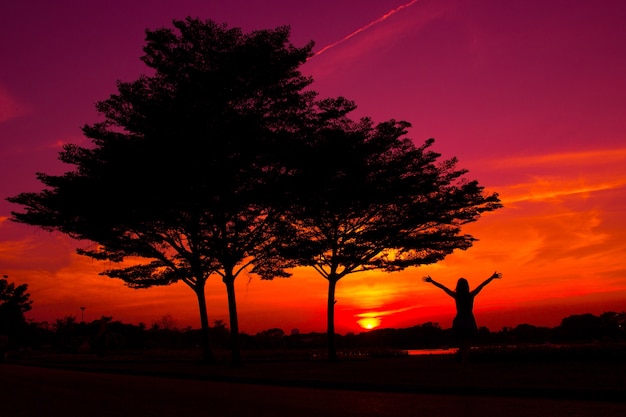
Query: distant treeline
(67, 335)
(583, 328)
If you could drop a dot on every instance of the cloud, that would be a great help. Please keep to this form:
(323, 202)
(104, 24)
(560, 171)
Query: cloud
(9, 107)
(550, 177)
(551, 188)
(24, 247)
(366, 27)
(603, 156)
(377, 34)
(383, 313)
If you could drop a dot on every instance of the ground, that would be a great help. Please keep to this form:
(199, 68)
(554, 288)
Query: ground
(559, 374)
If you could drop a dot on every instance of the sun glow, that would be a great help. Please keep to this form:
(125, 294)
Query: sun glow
(369, 323)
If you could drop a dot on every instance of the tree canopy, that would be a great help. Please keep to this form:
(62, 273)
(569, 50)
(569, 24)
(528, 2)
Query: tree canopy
(182, 176)
(372, 199)
(14, 302)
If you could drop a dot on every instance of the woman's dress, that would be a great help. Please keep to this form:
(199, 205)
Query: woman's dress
(464, 324)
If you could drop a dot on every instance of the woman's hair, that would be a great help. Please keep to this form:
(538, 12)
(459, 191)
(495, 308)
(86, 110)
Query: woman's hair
(462, 286)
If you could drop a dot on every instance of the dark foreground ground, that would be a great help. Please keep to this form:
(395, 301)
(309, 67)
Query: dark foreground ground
(579, 375)
(32, 391)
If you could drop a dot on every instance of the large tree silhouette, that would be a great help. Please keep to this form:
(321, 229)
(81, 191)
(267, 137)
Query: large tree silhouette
(371, 199)
(182, 179)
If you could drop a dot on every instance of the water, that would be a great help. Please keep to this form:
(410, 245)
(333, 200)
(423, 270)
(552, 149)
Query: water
(417, 352)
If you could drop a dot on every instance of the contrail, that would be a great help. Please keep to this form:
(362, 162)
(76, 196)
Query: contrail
(369, 25)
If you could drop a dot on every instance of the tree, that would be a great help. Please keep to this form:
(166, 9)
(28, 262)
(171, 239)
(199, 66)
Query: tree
(374, 200)
(181, 182)
(14, 302)
(581, 327)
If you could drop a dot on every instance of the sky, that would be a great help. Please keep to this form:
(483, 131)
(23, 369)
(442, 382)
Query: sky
(530, 96)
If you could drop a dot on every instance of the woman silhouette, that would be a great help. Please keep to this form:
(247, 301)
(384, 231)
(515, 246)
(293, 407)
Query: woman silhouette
(464, 323)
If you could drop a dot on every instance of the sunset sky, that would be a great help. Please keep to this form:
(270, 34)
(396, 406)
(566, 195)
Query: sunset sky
(529, 95)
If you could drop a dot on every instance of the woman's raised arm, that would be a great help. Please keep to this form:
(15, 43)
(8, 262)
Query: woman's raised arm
(448, 291)
(495, 275)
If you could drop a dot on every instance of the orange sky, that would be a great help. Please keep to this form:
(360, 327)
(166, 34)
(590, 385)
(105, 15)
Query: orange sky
(530, 97)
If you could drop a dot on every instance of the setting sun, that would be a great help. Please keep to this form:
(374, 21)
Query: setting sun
(369, 322)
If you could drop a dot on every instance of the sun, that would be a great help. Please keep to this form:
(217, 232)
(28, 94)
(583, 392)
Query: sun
(369, 323)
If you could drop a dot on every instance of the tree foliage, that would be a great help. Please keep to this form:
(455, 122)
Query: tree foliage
(181, 180)
(14, 302)
(372, 199)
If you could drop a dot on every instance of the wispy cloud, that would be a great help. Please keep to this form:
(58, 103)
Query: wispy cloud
(383, 313)
(9, 107)
(26, 148)
(557, 175)
(565, 158)
(366, 27)
(551, 188)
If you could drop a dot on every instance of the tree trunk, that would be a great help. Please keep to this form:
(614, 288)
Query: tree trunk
(207, 353)
(235, 360)
(332, 351)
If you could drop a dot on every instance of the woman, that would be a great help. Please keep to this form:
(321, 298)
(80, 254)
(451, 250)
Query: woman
(464, 324)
